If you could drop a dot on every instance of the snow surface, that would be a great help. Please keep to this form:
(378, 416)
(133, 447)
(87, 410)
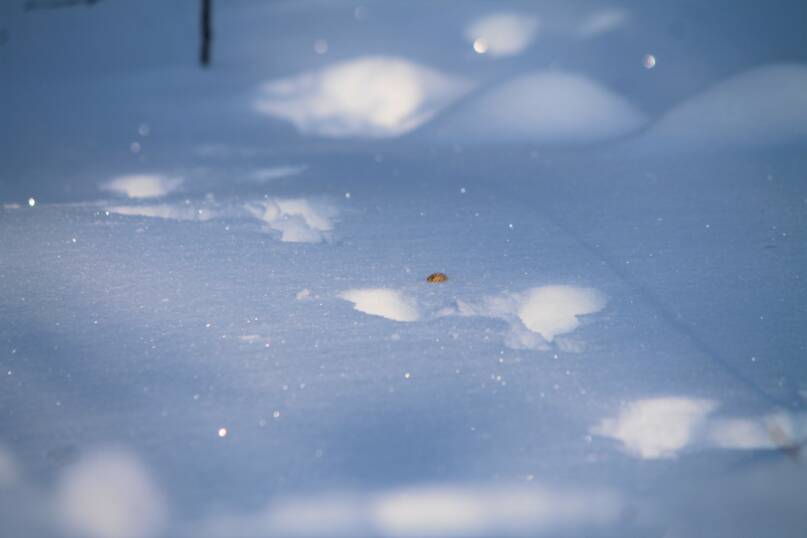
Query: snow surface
(214, 318)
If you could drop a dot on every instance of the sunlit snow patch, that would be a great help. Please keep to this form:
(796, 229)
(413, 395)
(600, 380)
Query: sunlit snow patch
(775, 431)
(657, 427)
(767, 105)
(143, 185)
(110, 494)
(544, 107)
(465, 511)
(385, 302)
(164, 211)
(538, 315)
(553, 310)
(372, 96)
(298, 220)
(502, 34)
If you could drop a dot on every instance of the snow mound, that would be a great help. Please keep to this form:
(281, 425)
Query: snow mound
(536, 316)
(767, 105)
(544, 107)
(298, 220)
(387, 303)
(371, 96)
(502, 34)
(110, 494)
(143, 185)
(427, 510)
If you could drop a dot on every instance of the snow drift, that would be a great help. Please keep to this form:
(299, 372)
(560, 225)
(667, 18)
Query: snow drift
(544, 107)
(502, 34)
(764, 106)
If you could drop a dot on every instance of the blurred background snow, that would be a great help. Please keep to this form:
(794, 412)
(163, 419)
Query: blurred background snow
(214, 319)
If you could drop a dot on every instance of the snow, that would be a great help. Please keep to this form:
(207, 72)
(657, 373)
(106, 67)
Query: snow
(552, 310)
(663, 427)
(297, 219)
(657, 427)
(502, 34)
(602, 22)
(373, 96)
(553, 107)
(429, 510)
(110, 494)
(162, 211)
(387, 303)
(759, 107)
(537, 315)
(143, 185)
(8, 469)
(254, 350)
(263, 175)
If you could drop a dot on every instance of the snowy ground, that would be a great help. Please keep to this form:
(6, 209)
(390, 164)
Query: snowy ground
(214, 319)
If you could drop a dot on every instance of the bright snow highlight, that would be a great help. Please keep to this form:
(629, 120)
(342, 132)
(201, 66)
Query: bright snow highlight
(384, 302)
(372, 96)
